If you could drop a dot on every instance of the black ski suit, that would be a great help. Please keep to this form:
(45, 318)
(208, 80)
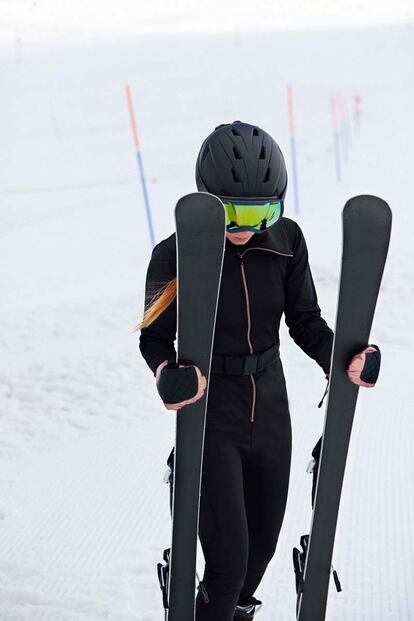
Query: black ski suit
(248, 432)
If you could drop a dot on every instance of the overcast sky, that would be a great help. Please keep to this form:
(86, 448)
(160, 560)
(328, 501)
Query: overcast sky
(40, 17)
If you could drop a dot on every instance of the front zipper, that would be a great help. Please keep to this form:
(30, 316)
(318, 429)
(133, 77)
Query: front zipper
(248, 335)
(249, 323)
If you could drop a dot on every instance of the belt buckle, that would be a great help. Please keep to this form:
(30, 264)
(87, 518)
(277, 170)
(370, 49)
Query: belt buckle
(250, 364)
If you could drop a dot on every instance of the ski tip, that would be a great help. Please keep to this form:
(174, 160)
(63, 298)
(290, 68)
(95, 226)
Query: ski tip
(203, 200)
(199, 196)
(368, 203)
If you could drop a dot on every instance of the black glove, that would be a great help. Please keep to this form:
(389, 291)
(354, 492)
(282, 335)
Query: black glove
(364, 367)
(372, 365)
(177, 384)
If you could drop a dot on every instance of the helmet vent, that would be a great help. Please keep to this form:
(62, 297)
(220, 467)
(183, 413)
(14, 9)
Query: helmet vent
(255, 132)
(262, 153)
(237, 153)
(236, 177)
(234, 132)
(266, 179)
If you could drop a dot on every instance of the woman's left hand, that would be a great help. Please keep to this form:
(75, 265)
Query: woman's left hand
(364, 368)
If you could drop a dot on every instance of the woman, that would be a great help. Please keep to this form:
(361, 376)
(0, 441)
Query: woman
(248, 432)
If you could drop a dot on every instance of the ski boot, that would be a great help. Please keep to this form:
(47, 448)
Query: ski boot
(245, 612)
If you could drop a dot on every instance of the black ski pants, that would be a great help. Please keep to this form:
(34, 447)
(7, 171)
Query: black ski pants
(243, 498)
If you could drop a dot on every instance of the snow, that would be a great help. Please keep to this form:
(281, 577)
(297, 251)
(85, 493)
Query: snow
(45, 17)
(83, 435)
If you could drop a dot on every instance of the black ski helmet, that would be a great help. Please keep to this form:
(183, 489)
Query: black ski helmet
(238, 159)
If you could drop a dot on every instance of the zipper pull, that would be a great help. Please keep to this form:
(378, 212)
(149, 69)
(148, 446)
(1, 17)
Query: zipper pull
(324, 394)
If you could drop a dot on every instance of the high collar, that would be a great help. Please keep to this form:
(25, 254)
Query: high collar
(276, 238)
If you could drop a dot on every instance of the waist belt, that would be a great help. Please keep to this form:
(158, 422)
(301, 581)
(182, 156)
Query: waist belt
(244, 365)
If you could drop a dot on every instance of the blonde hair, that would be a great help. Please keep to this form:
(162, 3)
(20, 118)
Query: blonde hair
(158, 303)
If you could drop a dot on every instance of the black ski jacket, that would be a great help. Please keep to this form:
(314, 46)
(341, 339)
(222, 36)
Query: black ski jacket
(261, 280)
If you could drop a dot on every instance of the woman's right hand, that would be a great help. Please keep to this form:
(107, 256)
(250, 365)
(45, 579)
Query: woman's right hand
(201, 385)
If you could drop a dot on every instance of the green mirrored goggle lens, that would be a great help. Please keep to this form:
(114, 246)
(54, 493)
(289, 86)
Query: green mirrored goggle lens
(257, 216)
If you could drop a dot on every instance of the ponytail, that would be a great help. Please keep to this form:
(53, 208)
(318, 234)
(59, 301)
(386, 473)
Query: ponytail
(157, 305)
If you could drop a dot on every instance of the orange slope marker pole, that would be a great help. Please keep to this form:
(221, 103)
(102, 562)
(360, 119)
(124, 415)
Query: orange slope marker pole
(137, 146)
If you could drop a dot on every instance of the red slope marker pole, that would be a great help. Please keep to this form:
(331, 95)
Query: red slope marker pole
(291, 124)
(335, 131)
(357, 113)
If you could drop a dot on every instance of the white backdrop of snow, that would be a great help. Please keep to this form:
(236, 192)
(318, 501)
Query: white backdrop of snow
(39, 18)
(83, 434)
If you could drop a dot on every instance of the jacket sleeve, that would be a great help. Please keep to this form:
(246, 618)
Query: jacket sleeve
(302, 313)
(156, 342)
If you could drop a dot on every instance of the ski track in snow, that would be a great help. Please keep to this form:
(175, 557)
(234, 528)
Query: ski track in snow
(83, 436)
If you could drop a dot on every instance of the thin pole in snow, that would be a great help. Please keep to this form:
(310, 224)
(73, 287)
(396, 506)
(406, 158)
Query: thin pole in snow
(137, 146)
(343, 125)
(291, 122)
(337, 155)
(357, 113)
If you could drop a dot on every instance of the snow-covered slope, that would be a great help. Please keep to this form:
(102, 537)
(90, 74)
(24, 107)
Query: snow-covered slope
(83, 434)
(41, 18)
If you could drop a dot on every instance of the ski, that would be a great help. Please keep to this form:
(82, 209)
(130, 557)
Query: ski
(200, 227)
(366, 234)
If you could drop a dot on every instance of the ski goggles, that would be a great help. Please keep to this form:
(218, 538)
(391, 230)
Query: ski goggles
(251, 214)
